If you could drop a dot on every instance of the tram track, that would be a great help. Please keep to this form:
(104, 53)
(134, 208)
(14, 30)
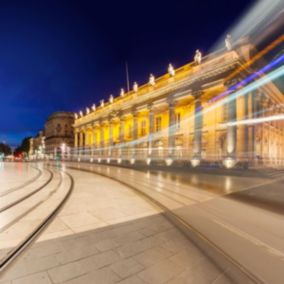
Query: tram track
(16, 202)
(60, 193)
(234, 269)
(32, 206)
(28, 182)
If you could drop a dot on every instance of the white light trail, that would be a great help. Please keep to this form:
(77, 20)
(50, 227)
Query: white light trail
(254, 21)
(256, 120)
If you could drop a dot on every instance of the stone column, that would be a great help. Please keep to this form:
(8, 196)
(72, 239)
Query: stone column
(135, 125)
(135, 133)
(151, 130)
(121, 130)
(230, 159)
(246, 132)
(232, 130)
(171, 128)
(76, 140)
(102, 142)
(110, 137)
(198, 121)
(110, 132)
(257, 101)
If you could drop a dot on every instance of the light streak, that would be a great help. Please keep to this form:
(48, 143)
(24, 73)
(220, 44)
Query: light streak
(239, 93)
(255, 120)
(260, 54)
(250, 78)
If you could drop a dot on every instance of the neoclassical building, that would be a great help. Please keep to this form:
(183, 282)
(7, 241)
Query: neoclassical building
(59, 132)
(201, 113)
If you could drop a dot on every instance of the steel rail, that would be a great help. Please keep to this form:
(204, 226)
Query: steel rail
(12, 255)
(28, 182)
(184, 226)
(30, 209)
(16, 202)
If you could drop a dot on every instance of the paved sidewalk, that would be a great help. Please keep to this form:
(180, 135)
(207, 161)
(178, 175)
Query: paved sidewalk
(246, 225)
(15, 174)
(106, 233)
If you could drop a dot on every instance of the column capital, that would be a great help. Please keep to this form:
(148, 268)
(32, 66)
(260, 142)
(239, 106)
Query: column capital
(134, 112)
(232, 81)
(150, 108)
(171, 102)
(197, 94)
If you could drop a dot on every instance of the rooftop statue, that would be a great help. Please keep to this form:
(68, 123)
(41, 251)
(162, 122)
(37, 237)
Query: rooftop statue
(152, 80)
(228, 42)
(171, 70)
(197, 57)
(135, 87)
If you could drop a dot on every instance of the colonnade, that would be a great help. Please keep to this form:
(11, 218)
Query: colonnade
(138, 129)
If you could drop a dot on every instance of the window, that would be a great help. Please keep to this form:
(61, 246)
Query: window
(143, 128)
(225, 113)
(58, 128)
(158, 124)
(129, 132)
(177, 121)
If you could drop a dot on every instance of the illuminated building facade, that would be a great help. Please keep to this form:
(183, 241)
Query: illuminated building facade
(37, 145)
(180, 117)
(59, 132)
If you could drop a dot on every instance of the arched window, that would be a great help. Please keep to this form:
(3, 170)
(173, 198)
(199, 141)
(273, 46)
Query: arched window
(58, 128)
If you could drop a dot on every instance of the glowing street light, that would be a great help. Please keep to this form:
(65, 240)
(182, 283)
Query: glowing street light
(93, 107)
(87, 110)
(102, 102)
(111, 99)
(81, 113)
(122, 93)
(76, 115)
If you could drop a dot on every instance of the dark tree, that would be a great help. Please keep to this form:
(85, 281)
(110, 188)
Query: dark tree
(5, 149)
(23, 148)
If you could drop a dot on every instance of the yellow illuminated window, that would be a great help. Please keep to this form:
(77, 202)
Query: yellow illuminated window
(158, 124)
(177, 121)
(143, 128)
(129, 131)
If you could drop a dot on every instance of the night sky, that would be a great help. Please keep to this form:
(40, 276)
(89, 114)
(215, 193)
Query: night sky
(66, 55)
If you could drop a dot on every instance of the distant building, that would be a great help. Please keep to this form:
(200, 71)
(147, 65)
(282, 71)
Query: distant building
(37, 145)
(59, 132)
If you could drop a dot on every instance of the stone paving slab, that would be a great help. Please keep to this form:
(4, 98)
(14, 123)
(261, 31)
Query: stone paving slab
(132, 248)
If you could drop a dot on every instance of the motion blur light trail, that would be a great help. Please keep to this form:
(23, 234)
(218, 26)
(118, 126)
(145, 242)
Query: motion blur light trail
(233, 95)
(256, 120)
(254, 21)
(242, 92)
(250, 78)
(256, 57)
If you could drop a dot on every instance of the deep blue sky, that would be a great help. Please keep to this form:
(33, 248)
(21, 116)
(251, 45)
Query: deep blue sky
(65, 55)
